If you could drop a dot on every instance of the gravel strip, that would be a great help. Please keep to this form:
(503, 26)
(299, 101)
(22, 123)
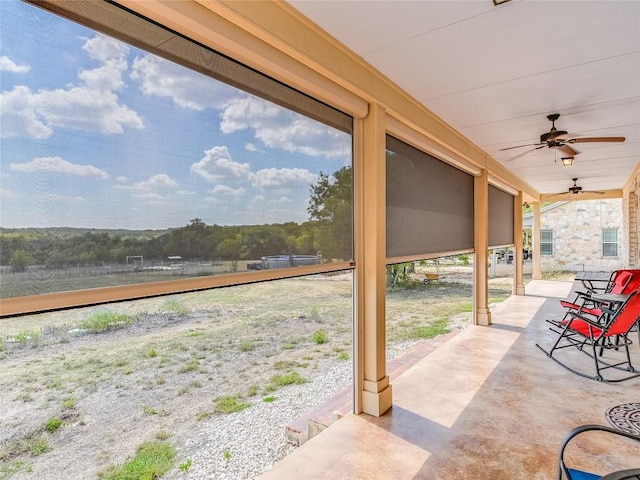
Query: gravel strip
(255, 437)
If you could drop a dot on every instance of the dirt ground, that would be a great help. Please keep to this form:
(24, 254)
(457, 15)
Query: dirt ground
(159, 377)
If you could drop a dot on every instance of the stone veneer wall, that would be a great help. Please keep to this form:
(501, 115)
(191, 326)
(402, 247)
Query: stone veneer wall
(577, 235)
(632, 216)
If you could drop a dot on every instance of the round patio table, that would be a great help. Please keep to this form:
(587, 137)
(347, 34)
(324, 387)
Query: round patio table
(625, 417)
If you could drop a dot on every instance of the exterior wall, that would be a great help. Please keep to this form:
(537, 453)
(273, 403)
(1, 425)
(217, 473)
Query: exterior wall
(577, 235)
(631, 212)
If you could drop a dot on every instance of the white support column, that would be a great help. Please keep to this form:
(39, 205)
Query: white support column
(374, 393)
(482, 314)
(518, 256)
(535, 243)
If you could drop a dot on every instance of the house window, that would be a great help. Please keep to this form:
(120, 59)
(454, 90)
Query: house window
(609, 242)
(546, 242)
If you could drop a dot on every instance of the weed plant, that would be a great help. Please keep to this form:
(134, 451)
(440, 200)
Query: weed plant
(103, 321)
(174, 306)
(247, 346)
(151, 461)
(53, 424)
(230, 404)
(290, 378)
(184, 467)
(320, 336)
(39, 446)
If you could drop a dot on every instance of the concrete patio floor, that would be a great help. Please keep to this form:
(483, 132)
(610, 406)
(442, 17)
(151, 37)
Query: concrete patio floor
(487, 404)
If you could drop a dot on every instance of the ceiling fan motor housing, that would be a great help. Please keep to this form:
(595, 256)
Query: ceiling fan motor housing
(554, 132)
(575, 188)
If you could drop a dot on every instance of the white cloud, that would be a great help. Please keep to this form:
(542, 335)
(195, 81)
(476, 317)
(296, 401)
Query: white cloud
(104, 49)
(150, 196)
(7, 194)
(8, 65)
(277, 127)
(251, 147)
(283, 177)
(186, 88)
(121, 179)
(58, 165)
(92, 105)
(19, 117)
(55, 197)
(158, 181)
(217, 166)
(282, 200)
(228, 191)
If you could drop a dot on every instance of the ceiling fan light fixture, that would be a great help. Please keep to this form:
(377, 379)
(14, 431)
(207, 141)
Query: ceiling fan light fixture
(567, 161)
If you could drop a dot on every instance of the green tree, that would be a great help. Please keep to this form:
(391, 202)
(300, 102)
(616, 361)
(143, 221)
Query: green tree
(262, 240)
(230, 247)
(20, 260)
(331, 206)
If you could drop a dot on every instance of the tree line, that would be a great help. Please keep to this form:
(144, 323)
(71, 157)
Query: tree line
(328, 231)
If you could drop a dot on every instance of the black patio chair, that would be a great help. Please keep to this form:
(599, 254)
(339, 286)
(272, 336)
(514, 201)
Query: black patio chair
(564, 472)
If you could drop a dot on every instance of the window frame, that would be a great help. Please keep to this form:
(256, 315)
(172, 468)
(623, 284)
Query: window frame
(549, 243)
(609, 243)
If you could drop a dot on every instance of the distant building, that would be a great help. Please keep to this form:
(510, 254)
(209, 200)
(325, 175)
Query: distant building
(581, 235)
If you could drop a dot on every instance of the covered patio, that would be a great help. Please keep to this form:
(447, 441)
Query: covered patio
(486, 404)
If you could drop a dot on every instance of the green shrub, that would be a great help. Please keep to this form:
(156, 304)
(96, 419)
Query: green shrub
(102, 321)
(26, 336)
(38, 447)
(230, 404)
(53, 424)
(291, 378)
(247, 346)
(320, 336)
(151, 461)
(174, 306)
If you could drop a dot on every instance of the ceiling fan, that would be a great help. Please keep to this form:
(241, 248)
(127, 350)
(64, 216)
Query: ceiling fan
(574, 190)
(561, 140)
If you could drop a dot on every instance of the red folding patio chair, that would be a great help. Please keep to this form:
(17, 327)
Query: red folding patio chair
(609, 332)
(620, 280)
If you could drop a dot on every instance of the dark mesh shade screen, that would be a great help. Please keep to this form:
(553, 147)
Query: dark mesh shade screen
(429, 203)
(500, 217)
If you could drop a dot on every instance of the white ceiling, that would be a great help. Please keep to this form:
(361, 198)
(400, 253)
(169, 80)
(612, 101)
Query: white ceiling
(495, 73)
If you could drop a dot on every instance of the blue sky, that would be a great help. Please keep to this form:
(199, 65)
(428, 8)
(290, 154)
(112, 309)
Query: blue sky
(99, 134)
